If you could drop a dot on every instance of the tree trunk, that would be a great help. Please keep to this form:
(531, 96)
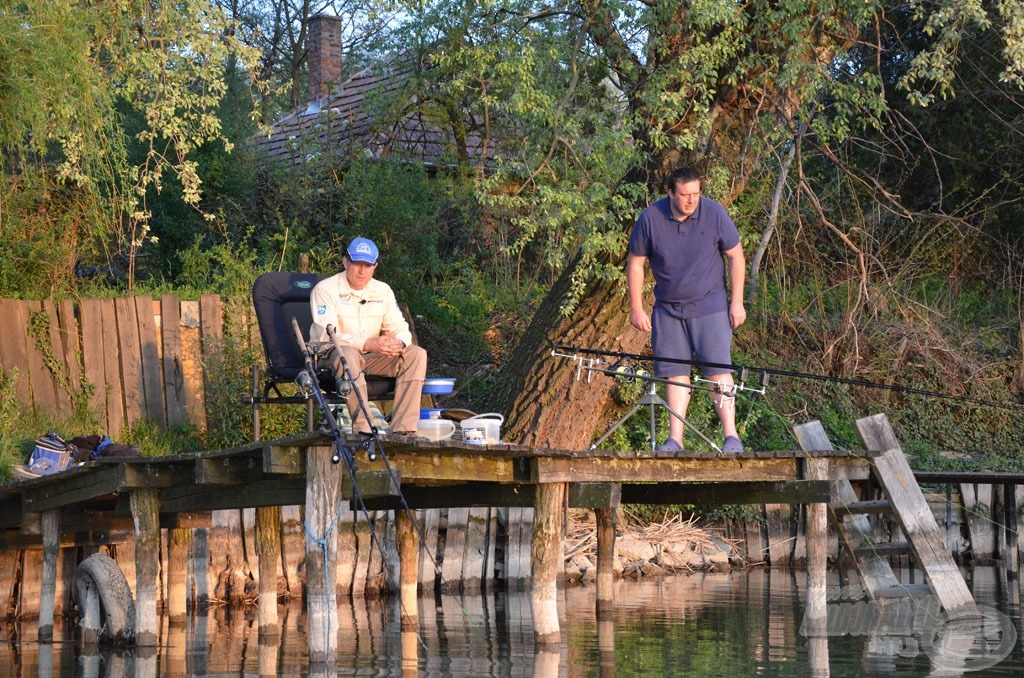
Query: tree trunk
(547, 405)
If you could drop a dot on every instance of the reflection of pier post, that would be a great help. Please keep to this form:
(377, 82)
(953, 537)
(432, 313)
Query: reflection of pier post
(547, 561)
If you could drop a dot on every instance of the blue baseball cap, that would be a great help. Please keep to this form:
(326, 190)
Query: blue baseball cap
(364, 250)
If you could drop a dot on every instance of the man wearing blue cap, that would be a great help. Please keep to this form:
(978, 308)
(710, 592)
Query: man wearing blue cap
(374, 336)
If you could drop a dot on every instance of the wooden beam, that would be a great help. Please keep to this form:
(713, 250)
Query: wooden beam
(269, 492)
(779, 492)
(371, 484)
(595, 495)
(228, 470)
(708, 469)
(285, 459)
(73, 487)
(13, 540)
(456, 496)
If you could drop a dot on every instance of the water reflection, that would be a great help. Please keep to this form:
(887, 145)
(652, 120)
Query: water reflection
(742, 623)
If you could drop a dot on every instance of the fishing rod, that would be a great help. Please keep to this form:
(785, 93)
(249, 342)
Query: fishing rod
(745, 370)
(309, 382)
(628, 374)
(373, 445)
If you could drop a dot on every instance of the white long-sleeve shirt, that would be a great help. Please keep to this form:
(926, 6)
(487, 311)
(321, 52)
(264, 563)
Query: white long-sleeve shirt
(357, 315)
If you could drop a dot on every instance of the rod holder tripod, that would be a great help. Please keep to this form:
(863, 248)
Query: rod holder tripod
(652, 400)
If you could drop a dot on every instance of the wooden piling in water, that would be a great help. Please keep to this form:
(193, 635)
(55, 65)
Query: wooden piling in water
(179, 540)
(268, 551)
(605, 518)
(547, 561)
(408, 556)
(816, 614)
(49, 523)
(145, 507)
(323, 493)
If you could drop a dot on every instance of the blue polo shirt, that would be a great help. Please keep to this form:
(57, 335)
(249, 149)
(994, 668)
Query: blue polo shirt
(686, 256)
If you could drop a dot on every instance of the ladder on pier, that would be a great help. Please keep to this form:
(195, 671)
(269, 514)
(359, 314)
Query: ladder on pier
(854, 520)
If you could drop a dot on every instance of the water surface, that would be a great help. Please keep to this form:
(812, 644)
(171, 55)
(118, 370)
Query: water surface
(739, 623)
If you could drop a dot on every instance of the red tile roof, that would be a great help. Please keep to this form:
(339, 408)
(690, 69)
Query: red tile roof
(371, 113)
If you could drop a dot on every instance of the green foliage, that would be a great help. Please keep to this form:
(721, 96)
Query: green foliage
(154, 440)
(10, 433)
(67, 70)
(20, 424)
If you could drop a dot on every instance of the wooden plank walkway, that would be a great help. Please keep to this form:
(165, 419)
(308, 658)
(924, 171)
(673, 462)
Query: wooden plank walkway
(125, 494)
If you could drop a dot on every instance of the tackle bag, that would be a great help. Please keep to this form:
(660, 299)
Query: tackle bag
(51, 454)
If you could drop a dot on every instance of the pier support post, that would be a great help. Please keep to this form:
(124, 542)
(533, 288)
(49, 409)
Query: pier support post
(323, 494)
(408, 565)
(605, 518)
(547, 561)
(1011, 556)
(145, 506)
(179, 542)
(268, 551)
(815, 623)
(49, 524)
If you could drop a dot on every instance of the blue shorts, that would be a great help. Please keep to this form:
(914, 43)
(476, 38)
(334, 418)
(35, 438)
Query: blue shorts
(706, 339)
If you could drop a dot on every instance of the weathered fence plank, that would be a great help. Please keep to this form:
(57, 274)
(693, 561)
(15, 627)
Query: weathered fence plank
(780, 537)
(454, 550)
(152, 372)
(978, 510)
(345, 568)
(13, 352)
(174, 377)
(67, 323)
(63, 400)
(90, 311)
(429, 520)
(475, 563)
(192, 365)
(112, 369)
(131, 360)
(44, 391)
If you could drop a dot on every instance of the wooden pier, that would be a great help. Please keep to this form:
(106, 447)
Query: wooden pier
(412, 474)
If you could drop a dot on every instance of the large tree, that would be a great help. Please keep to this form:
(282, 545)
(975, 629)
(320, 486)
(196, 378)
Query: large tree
(71, 74)
(747, 92)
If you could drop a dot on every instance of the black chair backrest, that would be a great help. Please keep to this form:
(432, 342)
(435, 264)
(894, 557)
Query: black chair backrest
(278, 297)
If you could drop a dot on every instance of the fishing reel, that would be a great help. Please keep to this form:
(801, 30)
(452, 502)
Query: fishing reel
(627, 374)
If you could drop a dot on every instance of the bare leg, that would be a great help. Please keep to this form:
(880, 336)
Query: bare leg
(678, 398)
(725, 404)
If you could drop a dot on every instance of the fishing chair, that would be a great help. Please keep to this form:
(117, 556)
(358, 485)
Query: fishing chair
(278, 297)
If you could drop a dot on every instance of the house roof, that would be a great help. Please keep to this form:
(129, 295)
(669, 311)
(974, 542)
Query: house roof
(370, 113)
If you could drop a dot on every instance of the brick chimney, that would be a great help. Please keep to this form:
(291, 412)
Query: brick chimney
(323, 50)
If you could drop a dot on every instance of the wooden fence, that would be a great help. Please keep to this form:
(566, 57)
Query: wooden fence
(143, 357)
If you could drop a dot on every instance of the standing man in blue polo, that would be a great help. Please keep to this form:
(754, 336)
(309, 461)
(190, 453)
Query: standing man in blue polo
(374, 336)
(691, 243)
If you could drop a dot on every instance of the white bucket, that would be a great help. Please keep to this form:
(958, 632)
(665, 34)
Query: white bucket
(483, 429)
(435, 429)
